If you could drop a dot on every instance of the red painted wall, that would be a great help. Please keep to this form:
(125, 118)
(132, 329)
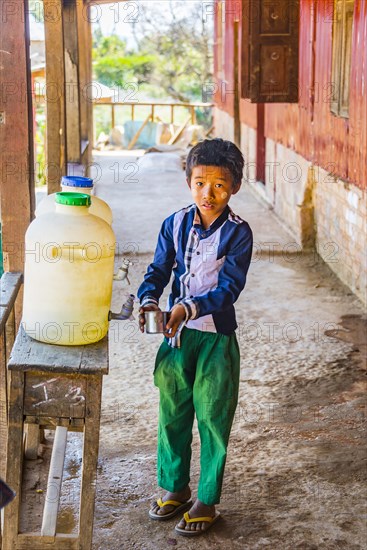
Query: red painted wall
(337, 144)
(229, 11)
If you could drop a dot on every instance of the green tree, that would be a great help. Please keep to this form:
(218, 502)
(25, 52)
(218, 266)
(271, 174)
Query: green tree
(182, 58)
(35, 8)
(182, 41)
(114, 65)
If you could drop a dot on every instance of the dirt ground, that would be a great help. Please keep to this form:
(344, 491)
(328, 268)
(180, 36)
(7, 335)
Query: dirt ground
(295, 474)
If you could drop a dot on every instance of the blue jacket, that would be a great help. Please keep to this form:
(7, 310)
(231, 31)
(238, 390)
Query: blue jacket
(209, 268)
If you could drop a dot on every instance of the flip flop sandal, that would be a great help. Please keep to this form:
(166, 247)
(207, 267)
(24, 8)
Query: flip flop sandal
(207, 519)
(180, 507)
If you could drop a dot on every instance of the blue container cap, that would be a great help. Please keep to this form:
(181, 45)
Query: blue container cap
(76, 181)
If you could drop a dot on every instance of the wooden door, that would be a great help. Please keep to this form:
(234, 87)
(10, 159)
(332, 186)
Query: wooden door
(270, 30)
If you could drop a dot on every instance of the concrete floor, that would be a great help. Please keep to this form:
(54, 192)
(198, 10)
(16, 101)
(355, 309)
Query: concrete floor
(295, 470)
(295, 475)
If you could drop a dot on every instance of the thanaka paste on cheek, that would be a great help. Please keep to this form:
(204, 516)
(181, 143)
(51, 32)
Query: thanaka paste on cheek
(224, 195)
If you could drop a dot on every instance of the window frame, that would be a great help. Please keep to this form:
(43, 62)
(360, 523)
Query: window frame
(343, 16)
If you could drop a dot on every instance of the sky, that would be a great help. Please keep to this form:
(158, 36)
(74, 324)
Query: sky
(120, 17)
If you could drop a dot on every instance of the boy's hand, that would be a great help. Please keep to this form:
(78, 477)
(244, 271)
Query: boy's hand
(151, 307)
(178, 314)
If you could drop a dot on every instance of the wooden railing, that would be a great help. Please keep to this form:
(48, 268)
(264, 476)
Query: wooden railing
(10, 284)
(153, 116)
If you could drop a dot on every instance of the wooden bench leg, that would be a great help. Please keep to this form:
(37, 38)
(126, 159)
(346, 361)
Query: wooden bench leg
(32, 441)
(90, 458)
(14, 460)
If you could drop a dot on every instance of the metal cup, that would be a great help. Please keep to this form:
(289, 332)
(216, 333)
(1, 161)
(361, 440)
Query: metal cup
(155, 321)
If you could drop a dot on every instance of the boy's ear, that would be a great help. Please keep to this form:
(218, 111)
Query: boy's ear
(236, 187)
(188, 182)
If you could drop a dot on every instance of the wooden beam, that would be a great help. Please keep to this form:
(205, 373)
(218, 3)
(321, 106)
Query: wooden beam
(208, 132)
(84, 59)
(236, 83)
(97, 2)
(10, 332)
(260, 142)
(10, 284)
(88, 64)
(56, 159)
(137, 134)
(52, 500)
(17, 196)
(179, 131)
(107, 101)
(25, 541)
(72, 90)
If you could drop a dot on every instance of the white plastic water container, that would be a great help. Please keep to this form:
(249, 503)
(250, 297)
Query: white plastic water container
(77, 184)
(69, 260)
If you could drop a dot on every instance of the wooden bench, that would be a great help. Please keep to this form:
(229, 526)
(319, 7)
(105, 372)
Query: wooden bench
(57, 388)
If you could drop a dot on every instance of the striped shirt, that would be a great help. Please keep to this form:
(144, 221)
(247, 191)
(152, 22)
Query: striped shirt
(209, 268)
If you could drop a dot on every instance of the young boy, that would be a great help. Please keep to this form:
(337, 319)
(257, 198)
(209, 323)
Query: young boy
(208, 248)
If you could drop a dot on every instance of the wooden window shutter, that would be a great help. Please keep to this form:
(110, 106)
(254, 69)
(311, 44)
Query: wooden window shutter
(342, 51)
(270, 51)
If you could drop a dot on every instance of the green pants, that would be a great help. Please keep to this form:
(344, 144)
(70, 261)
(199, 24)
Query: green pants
(201, 377)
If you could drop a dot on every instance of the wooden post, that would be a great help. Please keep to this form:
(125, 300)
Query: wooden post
(152, 112)
(14, 466)
(132, 111)
(260, 143)
(193, 116)
(90, 459)
(94, 134)
(236, 96)
(10, 285)
(72, 102)
(172, 114)
(88, 30)
(112, 116)
(55, 97)
(83, 55)
(32, 441)
(16, 134)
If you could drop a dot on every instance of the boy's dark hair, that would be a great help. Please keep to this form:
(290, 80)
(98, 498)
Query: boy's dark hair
(216, 152)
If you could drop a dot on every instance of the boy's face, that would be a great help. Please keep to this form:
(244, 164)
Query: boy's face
(211, 188)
